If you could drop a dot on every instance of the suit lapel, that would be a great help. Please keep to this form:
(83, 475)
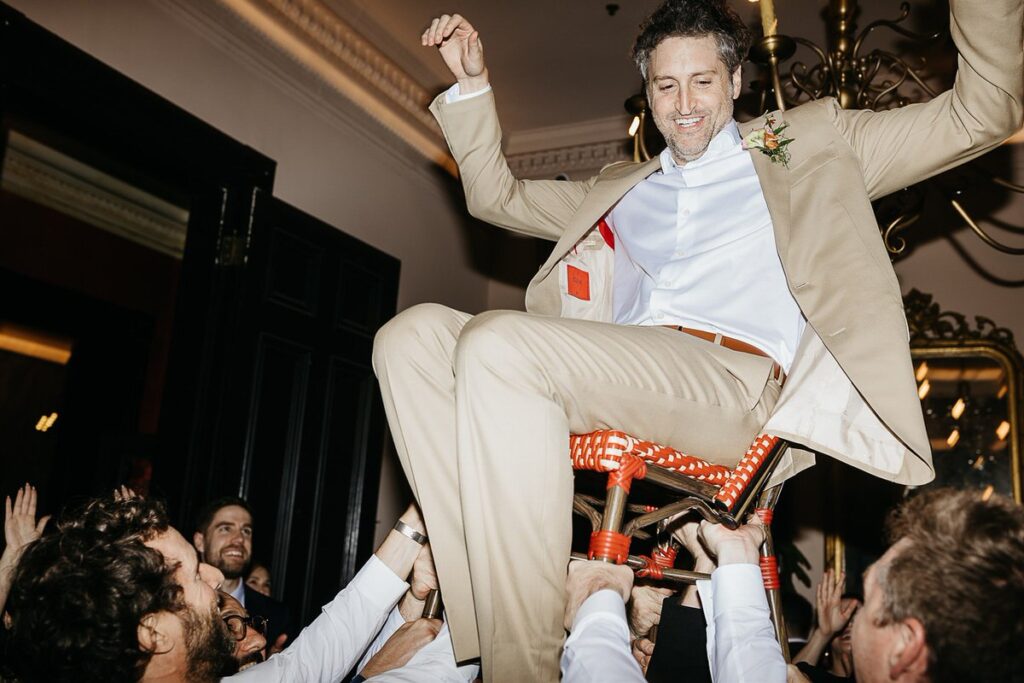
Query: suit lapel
(774, 179)
(606, 192)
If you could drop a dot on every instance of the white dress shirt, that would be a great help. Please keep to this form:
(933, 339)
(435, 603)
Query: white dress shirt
(329, 647)
(694, 246)
(741, 640)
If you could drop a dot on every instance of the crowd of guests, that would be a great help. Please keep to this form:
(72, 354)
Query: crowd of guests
(112, 592)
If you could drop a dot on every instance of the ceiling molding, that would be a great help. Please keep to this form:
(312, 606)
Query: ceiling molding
(317, 39)
(612, 128)
(578, 161)
(55, 180)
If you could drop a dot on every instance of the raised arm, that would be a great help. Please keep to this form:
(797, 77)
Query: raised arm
(903, 146)
(539, 208)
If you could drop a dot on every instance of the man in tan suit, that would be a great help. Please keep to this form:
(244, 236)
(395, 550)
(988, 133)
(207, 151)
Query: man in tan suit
(775, 272)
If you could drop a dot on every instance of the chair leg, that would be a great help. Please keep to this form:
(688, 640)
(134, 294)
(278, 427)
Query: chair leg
(609, 544)
(770, 568)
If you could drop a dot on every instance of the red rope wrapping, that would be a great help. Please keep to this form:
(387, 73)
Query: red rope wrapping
(770, 572)
(609, 545)
(664, 556)
(745, 470)
(604, 449)
(630, 468)
(650, 570)
(661, 558)
(766, 515)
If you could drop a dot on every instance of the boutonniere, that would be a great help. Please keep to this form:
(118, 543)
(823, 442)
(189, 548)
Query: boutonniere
(770, 141)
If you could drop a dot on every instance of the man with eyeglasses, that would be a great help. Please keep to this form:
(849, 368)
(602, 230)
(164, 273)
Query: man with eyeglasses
(247, 631)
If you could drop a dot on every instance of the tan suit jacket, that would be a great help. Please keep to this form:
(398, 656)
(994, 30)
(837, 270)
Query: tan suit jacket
(851, 392)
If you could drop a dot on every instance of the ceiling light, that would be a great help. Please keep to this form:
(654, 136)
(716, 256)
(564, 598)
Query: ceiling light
(923, 390)
(1002, 391)
(953, 438)
(987, 493)
(958, 409)
(35, 344)
(45, 422)
(634, 125)
(922, 371)
(1003, 430)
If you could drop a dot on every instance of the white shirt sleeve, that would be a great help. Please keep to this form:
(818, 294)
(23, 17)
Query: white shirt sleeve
(598, 648)
(328, 648)
(454, 94)
(741, 639)
(434, 663)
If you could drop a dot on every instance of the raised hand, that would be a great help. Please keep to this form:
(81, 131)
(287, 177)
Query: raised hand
(461, 48)
(20, 524)
(833, 615)
(734, 546)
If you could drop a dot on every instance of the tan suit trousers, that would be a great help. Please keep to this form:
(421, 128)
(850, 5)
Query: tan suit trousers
(481, 408)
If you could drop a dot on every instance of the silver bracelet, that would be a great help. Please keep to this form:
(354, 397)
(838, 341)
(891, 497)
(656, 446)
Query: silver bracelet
(406, 530)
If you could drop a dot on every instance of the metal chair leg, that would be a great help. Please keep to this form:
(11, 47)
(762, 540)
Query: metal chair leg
(770, 568)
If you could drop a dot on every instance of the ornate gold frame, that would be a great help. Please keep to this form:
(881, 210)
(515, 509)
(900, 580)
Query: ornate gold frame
(938, 333)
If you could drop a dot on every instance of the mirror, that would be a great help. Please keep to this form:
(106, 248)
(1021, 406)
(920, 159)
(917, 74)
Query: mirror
(970, 379)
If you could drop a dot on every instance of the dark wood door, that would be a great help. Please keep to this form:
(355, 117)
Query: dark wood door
(302, 441)
(269, 392)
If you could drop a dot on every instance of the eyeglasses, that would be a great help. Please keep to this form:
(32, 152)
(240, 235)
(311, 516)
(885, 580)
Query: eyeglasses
(238, 625)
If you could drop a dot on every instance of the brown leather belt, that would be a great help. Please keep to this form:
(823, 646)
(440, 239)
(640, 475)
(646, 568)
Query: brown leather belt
(731, 343)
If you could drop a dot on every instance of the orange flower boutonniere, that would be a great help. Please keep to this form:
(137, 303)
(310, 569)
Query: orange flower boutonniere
(770, 141)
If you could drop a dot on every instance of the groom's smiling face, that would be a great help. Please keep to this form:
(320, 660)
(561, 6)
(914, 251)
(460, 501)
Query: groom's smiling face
(691, 94)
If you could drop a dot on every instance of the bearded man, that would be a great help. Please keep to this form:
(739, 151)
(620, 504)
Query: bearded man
(224, 538)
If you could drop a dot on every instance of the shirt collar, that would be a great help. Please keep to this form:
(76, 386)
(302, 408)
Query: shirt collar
(239, 592)
(727, 139)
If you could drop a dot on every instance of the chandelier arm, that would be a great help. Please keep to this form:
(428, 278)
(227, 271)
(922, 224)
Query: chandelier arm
(894, 25)
(985, 237)
(889, 89)
(902, 221)
(879, 23)
(866, 72)
(1003, 182)
(799, 84)
(911, 71)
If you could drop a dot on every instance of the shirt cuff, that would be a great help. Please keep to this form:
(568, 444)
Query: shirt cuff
(603, 605)
(454, 94)
(379, 584)
(737, 586)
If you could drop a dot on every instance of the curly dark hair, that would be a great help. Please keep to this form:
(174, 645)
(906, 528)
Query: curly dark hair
(79, 594)
(694, 19)
(961, 574)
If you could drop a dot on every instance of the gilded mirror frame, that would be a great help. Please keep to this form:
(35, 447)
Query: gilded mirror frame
(935, 333)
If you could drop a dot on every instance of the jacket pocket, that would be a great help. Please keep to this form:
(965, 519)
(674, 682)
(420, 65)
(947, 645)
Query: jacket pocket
(584, 280)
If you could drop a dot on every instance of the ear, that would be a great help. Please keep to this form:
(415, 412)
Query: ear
(737, 82)
(909, 657)
(152, 636)
(199, 541)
